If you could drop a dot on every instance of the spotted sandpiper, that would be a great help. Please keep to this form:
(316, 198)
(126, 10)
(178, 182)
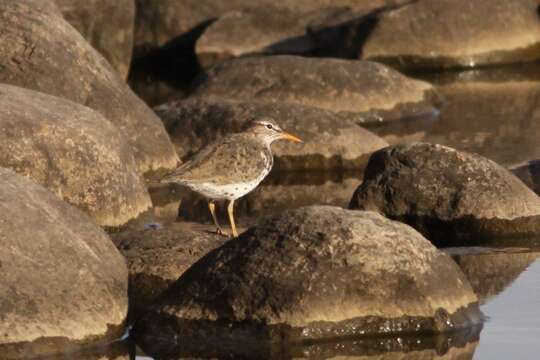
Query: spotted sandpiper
(230, 168)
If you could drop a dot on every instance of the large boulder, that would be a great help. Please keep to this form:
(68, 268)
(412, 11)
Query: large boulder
(449, 33)
(158, 255)
(367, 90)
(331, 140)
(106, 25)
(452, 197)
(314, 273)
(39, 50)
(63, 284)
(74, 152)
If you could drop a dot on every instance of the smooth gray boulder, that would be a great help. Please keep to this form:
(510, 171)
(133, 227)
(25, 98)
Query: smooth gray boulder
(455, 33)
(39, 50)
(314, 273)
(331, 140)
(74, 152)
(369, 91)
(106, 25)
(450, 196)
(63, 284)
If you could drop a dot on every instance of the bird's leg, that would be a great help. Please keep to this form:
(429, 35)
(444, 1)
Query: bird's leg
(212, 208)
(230, 210)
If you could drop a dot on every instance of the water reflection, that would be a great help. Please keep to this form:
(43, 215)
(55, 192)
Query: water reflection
(459, 345)
(495, 113)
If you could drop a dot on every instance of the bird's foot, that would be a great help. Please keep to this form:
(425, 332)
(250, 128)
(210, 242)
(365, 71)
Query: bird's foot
(222, 232)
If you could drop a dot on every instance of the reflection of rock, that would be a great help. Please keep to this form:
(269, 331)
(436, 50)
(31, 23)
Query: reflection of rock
(370, 91)
(118, 350)
(447, 33)
(460, 345)
(331, 141)
(452, 197)
(106, 25)
(157, 257)
(317, 272)
(39, 50)
(72, 151)
(486, 113)
(490, 272)
(63, 284)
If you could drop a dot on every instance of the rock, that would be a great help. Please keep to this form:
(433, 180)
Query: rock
(366, 90)
(450, 33)
(106, 25)
(74, 152)
(452, 197)
(492, 271)
(39, 50)
(529, 173)
(159, 22)
(314, 273)
(260, 30)
(332, 141)
(63, 284)
(157, 257)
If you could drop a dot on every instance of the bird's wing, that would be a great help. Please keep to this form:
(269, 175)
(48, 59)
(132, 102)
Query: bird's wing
(233, 157)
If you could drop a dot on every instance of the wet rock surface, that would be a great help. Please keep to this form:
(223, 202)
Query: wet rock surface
(313, 273)
(443, 34)
(331, 140)
(74, 152)
(106, 25)
(370, 91)
(63, 282)
(157, 256)
(39, 50)
(452, 197)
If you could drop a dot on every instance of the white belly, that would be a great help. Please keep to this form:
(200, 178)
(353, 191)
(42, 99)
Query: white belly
(224, 192)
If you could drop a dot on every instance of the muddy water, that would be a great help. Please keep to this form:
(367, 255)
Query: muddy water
(495, 113)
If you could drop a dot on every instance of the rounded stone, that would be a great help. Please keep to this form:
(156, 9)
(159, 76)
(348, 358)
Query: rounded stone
(74, 152)
(157, 257)
(449, 33)
(63, 284)
(106, 25)
(314, 273)
(331, 140)
(452, 197)
(370, 91)
(39, 50)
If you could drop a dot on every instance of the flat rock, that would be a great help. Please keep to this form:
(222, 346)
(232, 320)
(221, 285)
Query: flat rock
(452, 197)
(159, 22)
(39, 50)
(260, 30)
(372, 92)
(331, 140)
(157, 257)
(74, 152)
(314, 273)
(450, 33)
(106, 25)
(63, 283)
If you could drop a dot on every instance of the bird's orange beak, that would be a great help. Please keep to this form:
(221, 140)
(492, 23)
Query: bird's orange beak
(290, 137)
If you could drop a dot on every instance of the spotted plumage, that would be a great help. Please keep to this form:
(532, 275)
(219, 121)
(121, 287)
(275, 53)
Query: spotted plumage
(231, 167)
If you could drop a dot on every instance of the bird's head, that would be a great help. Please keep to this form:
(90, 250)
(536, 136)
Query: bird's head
(269, 131)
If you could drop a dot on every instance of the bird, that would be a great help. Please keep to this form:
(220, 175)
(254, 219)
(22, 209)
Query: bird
(231, 167)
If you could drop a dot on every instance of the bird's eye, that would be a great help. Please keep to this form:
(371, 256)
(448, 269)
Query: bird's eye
(269, 126)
